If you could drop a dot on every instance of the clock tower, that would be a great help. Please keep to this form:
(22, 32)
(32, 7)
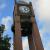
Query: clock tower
(25, 25)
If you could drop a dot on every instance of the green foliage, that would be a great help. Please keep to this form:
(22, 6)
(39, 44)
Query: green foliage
(4, 41)
(2, 27)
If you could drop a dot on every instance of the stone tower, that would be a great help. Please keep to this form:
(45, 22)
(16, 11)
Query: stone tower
(25, 25)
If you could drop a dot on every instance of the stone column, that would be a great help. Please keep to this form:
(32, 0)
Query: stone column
(17, 36)
(35, 33)
(31, 42)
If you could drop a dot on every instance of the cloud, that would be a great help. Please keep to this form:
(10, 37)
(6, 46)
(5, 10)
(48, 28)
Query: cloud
(41, 8)
(47, 47)
(7, 21)
(2, 6)
(42, 12)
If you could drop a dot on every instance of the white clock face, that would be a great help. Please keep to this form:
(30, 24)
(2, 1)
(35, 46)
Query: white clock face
(24, 9)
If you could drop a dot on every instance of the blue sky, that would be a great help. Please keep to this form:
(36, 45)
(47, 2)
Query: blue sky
(6, 15)
(42, 15)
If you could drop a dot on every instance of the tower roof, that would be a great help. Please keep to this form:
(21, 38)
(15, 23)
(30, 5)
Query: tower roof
(23, 1)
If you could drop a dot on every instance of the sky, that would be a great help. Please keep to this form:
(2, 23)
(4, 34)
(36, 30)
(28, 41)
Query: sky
(42, 15)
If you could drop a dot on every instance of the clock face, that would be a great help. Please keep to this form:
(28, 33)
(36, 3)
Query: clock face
(24, 9)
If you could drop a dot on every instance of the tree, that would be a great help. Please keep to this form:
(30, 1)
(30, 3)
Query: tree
(2, 27)
(4, 41)
(1, 31)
